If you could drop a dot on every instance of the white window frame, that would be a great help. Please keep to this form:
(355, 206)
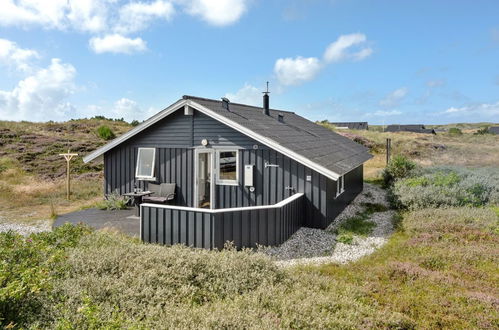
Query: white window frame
(146, 177)
(226, 182)
(340, 185)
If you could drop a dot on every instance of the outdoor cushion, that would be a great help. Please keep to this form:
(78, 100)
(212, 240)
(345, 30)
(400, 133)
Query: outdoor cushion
(162, 193)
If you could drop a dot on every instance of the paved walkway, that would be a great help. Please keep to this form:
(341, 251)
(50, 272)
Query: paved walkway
(99, 219)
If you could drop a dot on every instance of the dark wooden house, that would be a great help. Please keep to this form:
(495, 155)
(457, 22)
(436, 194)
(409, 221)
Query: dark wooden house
(251, 175)
(410, 128)
(494, 130)
(362, 125)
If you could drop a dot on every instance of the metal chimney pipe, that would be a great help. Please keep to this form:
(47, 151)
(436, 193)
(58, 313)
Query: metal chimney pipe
(266, 102)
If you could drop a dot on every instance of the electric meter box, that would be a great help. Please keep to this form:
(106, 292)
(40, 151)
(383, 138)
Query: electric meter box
(248, 175)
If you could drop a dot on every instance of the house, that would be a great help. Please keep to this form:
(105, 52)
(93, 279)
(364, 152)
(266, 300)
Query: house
(352, 125)
(494, 130)
(410, 128)
(247, 174)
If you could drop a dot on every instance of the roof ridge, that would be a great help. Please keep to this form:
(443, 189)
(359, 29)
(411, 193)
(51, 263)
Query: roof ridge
(190, 97)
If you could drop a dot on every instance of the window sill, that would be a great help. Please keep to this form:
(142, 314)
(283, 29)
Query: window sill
(227, 183)
(145, 178)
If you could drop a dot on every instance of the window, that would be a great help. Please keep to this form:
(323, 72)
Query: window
(145, 164)
(340, 185)
(228, 167)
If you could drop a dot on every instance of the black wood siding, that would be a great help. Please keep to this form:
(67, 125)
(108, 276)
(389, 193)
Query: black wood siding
(175, 136)
(245, 228)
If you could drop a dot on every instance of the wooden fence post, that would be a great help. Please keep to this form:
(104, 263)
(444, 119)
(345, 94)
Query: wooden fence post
(388, 149)
(68, 156)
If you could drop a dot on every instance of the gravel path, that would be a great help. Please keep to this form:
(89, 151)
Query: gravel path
(25, 229)
(315, 246)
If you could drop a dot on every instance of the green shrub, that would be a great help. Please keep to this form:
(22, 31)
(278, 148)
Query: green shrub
(28, 268)
(104, 132)
(113, 201)
(135, 123)
(116, 282)
(398, 167)
(455, 131)
(451, 186)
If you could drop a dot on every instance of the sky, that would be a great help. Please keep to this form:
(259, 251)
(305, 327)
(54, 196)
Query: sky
(385, 62)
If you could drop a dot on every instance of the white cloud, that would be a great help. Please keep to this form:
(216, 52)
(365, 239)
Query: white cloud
(82, 15)
(42, 95)
(12, 55)
(116, 43)
(435, 83)
(394, 98)
(381, 113)
(126, 108)
(480, 110)
(338, 50)
(294, 71)
(248, 94)
(136, 16)
(219, 12)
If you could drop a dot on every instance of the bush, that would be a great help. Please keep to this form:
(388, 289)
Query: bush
(455, 131)
(135, 123)
(116, 282)
(28, 267)
(113, 202)
(447, 186)
(104, 132)
(399, 167)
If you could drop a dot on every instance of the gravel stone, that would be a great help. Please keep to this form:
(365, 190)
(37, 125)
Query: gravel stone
(26, 229)
(316, 246)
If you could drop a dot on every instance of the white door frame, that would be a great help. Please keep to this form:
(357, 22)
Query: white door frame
(212, 179)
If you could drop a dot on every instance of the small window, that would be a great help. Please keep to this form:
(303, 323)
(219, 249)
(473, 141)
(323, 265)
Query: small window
(340, 185)
(228, 167)
(145, 164)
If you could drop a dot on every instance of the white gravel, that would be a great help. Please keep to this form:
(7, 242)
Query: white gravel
(26, 229)
(315, 246)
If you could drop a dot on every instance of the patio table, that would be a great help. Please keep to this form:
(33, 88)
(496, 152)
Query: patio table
(137, 199)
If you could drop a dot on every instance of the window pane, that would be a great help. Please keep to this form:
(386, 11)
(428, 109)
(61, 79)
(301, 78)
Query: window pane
(227, 163)
(145, 162)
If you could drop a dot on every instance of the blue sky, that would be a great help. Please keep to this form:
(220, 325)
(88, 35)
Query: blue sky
(377, 61)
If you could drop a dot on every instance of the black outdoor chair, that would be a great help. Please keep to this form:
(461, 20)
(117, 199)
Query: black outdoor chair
(162, 193)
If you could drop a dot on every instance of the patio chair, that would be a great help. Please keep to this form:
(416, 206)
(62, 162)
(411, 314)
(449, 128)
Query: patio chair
(162, 193)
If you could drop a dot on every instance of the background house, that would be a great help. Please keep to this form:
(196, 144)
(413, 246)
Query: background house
(352, 125)
(410, 128)
(224, 155)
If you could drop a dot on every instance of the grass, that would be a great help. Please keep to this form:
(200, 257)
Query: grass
(431, 150)
(358, 225)
(440, 271)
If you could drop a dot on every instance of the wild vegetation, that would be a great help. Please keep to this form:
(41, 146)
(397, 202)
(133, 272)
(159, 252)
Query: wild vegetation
(439, 270)
(32, 173)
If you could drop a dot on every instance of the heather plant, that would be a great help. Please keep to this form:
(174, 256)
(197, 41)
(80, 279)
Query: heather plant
(398, 167)
(455, 131)
(447, 186)
(113, 281)
(28, 267)
(113, 201)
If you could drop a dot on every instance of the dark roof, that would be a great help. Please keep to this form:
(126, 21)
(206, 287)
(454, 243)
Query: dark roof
(494, 129)
(315, 142)
(419, 128)
(352, 124)
(311, 144)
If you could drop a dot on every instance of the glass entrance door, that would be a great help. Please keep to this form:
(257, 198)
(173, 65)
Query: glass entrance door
(204, 180)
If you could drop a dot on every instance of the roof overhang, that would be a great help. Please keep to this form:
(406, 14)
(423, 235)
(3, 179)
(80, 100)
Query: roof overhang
(97, 154)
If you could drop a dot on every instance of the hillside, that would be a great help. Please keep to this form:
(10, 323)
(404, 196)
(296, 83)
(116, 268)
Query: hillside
(32, 173)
